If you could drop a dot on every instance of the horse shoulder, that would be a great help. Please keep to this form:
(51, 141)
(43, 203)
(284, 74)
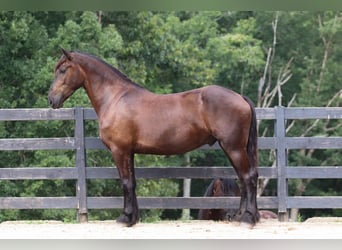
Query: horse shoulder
(117, 125)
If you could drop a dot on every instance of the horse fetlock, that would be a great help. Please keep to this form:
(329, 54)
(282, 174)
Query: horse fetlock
(128, 219)
(249, 218)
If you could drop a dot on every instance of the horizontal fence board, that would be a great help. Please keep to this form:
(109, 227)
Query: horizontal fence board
(38, 202)
(313, 113)
(89, 114)
(36, 114)
(315, 202)
(314, 142)
(178, 202)
(176, 172)
(37, 143)
(94, 143)
(268, 172)
(267, 143)
(263, 143)
(38, 173)
(325, 172)
(265, 113)
(163, 172)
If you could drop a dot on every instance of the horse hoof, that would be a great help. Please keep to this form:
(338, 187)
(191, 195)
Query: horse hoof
(126, 220)
(249, 219)
(246, 219)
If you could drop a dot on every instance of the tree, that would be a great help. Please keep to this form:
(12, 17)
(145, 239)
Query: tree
(237, 57)
(308, 67)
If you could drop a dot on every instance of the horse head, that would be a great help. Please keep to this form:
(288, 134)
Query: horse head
(69, 76)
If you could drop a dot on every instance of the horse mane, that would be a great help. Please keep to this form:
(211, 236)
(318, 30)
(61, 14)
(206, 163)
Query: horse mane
(109, 66)
(227, 185)
(209, 191)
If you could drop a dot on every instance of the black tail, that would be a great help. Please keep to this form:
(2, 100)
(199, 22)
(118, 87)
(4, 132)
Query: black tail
(252, 145)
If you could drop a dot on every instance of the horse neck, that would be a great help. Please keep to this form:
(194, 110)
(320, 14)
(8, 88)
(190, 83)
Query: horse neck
(104, 87)
(98, 93)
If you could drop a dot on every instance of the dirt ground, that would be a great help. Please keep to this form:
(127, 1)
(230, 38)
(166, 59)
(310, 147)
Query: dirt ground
(314, 228)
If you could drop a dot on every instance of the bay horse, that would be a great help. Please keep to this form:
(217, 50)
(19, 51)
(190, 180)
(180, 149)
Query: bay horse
(217, 188)
(133, 120)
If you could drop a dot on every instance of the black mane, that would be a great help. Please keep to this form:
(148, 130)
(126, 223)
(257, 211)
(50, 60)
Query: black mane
(228, 186)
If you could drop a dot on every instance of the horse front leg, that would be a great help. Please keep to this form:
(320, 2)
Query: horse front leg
(125, 165)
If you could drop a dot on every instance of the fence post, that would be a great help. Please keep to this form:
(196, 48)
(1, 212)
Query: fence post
(281, 154)
(81, 186)
(186, 188)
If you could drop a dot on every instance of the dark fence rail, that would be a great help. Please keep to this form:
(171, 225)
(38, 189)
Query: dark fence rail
(280, 143)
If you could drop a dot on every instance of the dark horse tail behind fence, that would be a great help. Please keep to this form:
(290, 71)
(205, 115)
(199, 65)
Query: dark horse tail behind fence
(133, 120)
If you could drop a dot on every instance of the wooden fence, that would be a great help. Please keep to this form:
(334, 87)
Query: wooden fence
(280, 143)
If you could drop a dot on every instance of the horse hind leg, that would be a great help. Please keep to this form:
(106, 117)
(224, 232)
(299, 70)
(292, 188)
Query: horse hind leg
(248, 176)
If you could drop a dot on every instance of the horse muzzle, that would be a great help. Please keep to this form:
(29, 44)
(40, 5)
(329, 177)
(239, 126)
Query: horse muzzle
(56, 101)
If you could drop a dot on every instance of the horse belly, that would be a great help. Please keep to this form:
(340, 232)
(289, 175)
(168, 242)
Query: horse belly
(176, 140)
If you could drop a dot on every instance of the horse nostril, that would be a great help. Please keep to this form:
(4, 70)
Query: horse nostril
(50, 101)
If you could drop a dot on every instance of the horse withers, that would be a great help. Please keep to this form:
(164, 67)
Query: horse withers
(133, 120)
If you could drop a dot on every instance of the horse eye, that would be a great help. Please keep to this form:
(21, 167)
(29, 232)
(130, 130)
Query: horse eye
(62, 70)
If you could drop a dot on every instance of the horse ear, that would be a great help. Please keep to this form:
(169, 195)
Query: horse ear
(67, 54)
(216, 186)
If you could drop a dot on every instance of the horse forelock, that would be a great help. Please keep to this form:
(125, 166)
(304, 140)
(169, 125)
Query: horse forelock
(60, 62)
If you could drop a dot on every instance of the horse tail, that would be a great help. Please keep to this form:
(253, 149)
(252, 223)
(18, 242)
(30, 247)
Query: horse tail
(252, 145)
